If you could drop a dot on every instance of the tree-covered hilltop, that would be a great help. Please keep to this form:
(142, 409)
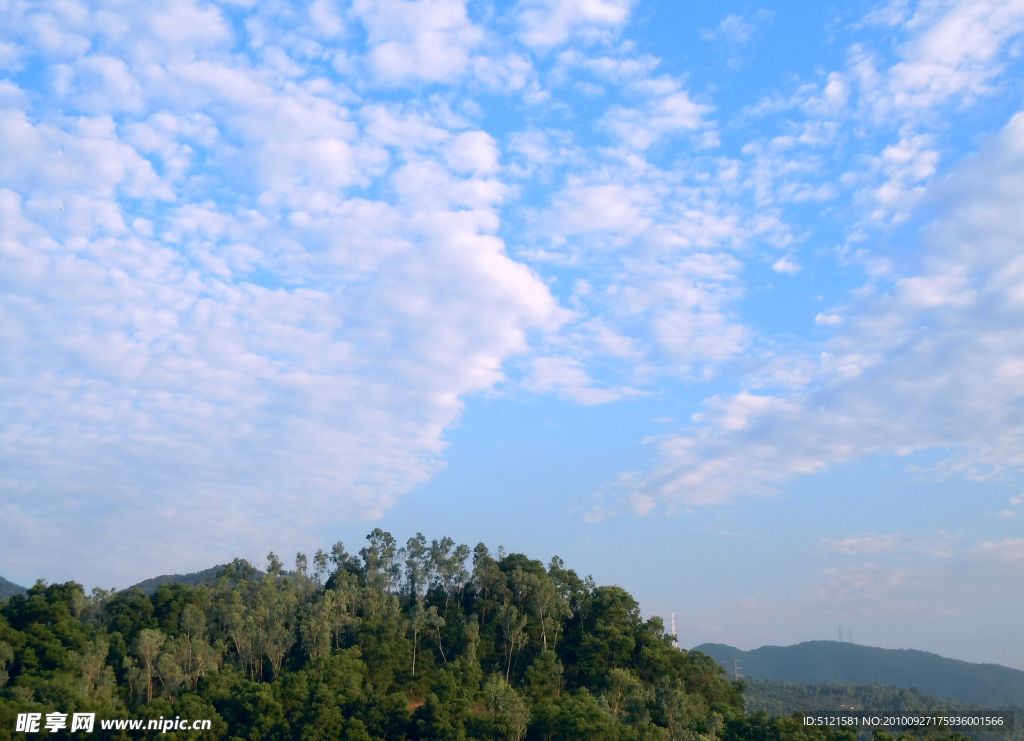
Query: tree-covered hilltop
(428, 641)
(207, 576)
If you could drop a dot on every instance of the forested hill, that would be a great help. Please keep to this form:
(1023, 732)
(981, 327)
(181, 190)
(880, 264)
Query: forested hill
(825, 662)
(432, 640)
(207, 576)
(9, 589)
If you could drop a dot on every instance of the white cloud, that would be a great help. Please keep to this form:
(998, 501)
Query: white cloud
(614, 208)
(100, 84)
(1011, 549)
(222, 329)
(548, 23)
(828, 319)
(618, 70)
(786, 265)
(949, 53)
(277, 278)
(473, 151)
(661, 270)
(667, 111)
(327, 18)
(510, 72)
(168, 380)
(940, 59)
(737, 29)
(864, 544)
(939, 545)
(568, 378)
(935, 363)
(418, 39)
(906, 166)
(958, 53)
(88, 159)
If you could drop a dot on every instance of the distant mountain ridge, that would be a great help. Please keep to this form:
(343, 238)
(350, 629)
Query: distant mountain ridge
(832, 662)
(206, 576)
(9, 589)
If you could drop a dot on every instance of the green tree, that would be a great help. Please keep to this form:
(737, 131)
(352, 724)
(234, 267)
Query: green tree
(512, 624)
(147, 648)
(507, 709)
(448, 566)
(6, 656)
(380, 560)
(417, 567)
(544, 677)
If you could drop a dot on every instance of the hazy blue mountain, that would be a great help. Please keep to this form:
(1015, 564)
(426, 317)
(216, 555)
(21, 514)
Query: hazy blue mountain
(9, 589)
(207, 576)
(832, 662)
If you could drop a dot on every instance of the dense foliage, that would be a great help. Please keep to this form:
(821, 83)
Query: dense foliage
(429, 641)
(785, 698)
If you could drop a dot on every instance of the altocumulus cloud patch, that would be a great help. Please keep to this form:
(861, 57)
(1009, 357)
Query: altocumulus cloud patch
(255, 257)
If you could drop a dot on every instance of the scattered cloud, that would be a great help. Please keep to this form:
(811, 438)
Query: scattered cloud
(939, 545)
(548, 23)
(567, 378)
(786, 265)
(251, 271)
(1011, 549)
(222, 326)
(429, 40)
(828, 320)
(906, 373)
(737, 29)
(956, 56)
(668, 110)
(864, 543)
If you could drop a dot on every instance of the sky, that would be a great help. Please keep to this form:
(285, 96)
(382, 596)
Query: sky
(720, 302)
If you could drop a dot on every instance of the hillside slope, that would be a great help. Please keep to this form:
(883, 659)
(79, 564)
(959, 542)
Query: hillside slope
(9, 589)
(206, 576)
(831, 662)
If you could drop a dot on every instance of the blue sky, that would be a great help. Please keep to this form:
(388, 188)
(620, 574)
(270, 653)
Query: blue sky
(720, 302)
